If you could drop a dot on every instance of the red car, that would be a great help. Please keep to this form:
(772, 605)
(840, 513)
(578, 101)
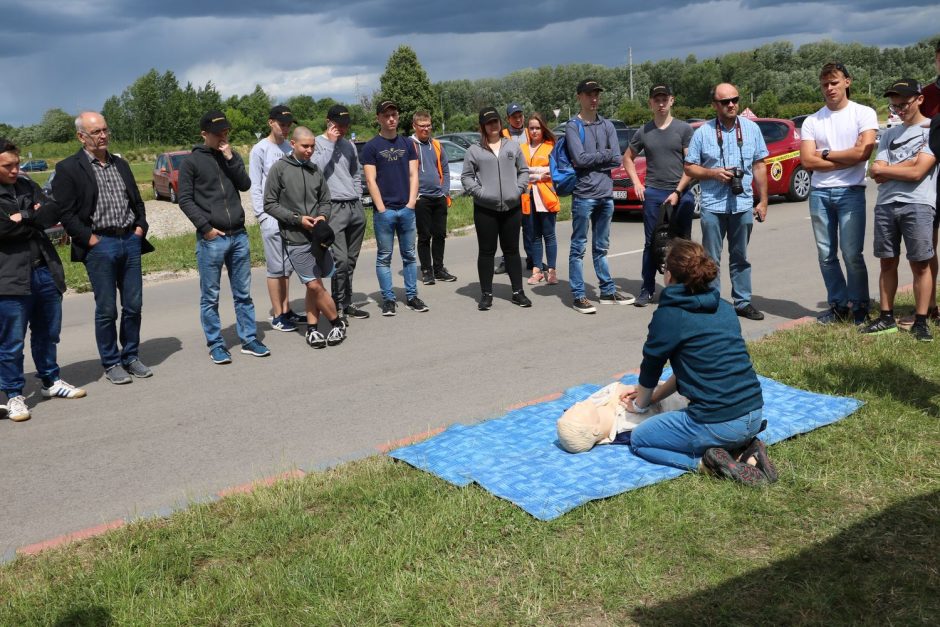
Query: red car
(785, 175)
(166, 175)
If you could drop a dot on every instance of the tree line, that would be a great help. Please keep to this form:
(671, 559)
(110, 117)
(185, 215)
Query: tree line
(775, 80)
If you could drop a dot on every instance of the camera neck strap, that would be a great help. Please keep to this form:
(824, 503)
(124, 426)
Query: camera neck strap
(719, 137)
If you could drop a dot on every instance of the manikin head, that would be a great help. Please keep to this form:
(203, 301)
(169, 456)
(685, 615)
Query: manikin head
(583, 425)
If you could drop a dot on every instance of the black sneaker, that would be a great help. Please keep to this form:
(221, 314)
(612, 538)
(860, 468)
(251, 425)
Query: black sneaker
(583, 305)
(388, 308)
(644, 299)
(315, 339)
(616, 299)
(860, 316)
(416, 304)
(720, 462)
(758, 450)
(519, 298)
(354, 312)
(501, 266)
(921, 333)
(444, 275)
(749, 312)
(834, 315)
(486, 301)
(880, 326)
(427, 277)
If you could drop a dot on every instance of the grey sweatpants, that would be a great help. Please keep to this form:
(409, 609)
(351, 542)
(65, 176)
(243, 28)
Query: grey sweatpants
(348, 221)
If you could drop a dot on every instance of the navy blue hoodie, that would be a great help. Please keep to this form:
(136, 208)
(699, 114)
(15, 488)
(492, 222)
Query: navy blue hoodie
(699, 334)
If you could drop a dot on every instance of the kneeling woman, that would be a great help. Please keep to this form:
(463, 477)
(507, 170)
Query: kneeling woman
(699, 334)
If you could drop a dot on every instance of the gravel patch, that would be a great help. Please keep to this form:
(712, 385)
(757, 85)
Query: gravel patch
(167, 219)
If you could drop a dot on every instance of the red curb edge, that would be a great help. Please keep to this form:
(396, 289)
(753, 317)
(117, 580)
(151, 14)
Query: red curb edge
(535, 401)
(247, 488)
(90, 532)
(411, 439)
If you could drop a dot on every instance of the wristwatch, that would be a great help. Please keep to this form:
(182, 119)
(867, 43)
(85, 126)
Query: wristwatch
(825, 155)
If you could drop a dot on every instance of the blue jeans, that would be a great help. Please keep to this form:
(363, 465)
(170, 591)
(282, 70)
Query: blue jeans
(41, 310)
(597, 212)
(113, 266)
(231, 251)
(543, 228)
(737, 227)
(652, 200)
(674, 439)
(841, 211)
(386, 225)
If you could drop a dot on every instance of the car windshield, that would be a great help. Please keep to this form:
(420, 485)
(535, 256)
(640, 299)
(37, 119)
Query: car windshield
(176, 160)
(453, 151)
(773, 131)
(623, 138)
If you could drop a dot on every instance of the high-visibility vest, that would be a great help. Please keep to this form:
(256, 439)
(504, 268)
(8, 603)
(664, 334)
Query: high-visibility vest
(546, 190)
(525, 132)
(440, 168)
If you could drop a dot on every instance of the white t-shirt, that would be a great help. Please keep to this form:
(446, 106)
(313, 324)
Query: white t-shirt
(839, 130)
(263, 155)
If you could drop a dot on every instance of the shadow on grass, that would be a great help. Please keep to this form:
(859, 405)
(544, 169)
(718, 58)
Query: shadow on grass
(95, 615)
(879, 571)
(888, 380)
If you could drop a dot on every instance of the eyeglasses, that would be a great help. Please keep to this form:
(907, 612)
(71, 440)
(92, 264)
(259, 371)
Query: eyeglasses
(97, 132)
(901, 108)
(726, 101)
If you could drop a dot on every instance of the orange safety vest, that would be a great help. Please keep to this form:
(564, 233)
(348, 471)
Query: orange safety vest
(545, 189)
(440, 168)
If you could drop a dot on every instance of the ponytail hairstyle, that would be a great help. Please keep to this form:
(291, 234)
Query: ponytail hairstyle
(688, 264)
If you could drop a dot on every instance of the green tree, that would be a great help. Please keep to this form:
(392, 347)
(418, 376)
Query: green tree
(767, 105)
(406, 82)
(56, 126)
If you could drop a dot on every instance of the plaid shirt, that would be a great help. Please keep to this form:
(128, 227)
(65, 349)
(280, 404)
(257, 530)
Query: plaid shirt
(112, 210)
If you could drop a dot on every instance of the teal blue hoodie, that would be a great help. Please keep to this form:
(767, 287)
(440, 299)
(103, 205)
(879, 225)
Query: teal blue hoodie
(699, 334)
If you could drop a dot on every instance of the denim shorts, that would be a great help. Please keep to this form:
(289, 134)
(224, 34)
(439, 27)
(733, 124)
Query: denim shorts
(911, 221)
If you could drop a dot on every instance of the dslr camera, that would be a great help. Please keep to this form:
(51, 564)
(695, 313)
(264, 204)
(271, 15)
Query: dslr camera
(736, 182)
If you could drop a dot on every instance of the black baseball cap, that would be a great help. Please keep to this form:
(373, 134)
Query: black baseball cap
(386, 104)
(588, 85)
(656, 90)
(487, 114)
(338, 114)
(282, 114)
(321, 237)
(904, 87)
(214, 122)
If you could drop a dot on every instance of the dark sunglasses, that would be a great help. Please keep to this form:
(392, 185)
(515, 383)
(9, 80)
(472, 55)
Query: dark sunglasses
(727, 101)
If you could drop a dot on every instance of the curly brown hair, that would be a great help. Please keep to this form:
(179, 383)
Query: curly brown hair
(689, 264)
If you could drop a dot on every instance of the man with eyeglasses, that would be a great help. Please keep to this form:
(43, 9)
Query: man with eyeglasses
(905, 171)
(433, 200)
(836, 143)
(726, 155)
(104, 215)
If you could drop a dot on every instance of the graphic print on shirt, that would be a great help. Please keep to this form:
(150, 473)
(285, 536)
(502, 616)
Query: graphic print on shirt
(392, 154)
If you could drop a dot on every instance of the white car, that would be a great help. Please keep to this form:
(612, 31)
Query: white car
(455, 155)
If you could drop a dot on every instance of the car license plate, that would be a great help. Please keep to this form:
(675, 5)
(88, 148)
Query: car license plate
(620, 194)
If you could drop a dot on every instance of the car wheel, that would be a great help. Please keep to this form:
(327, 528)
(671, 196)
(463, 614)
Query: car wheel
(156, 192)
(173, 198)
(696, 190)
(799, 185)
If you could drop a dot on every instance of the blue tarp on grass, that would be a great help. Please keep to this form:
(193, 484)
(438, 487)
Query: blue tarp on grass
(517, 456)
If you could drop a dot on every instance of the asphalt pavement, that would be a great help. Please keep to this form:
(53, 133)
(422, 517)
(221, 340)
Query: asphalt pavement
(196, 428)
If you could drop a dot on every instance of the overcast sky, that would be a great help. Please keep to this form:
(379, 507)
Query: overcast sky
(73, 54)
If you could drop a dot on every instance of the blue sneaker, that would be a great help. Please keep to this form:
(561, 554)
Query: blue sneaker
(256, 348)
(292, 316)
(219, 355)
(283, 323)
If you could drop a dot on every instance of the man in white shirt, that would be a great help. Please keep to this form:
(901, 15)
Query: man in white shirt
(837, 142)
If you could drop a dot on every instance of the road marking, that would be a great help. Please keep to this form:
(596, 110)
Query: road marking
(629, 252)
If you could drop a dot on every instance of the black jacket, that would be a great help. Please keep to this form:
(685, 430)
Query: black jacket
(76, 192)
(209, 189)
(16, 267)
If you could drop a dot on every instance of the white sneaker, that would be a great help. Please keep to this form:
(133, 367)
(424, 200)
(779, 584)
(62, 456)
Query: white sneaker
(18, 411)
(61, 389)
(336, 335)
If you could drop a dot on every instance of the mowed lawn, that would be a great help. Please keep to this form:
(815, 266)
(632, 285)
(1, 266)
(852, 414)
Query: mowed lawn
(849, 535)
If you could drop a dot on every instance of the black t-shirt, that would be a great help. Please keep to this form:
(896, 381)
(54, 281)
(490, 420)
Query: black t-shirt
(391, 158)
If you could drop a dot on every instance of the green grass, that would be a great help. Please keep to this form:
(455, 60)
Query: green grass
(178, 253)
(848, 535)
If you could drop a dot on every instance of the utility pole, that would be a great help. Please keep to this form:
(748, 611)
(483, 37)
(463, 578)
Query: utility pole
(443, 124)
(630, 63)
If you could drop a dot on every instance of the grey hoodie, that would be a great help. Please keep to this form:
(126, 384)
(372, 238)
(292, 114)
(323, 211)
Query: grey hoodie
(294, 189)
(496, 182)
